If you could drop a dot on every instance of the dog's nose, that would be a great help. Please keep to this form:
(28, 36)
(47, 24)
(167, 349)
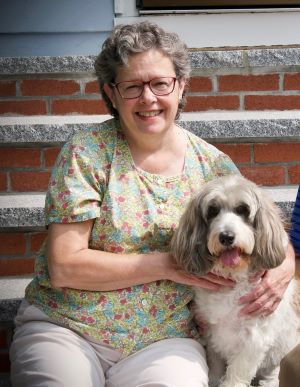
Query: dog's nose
(226, 238)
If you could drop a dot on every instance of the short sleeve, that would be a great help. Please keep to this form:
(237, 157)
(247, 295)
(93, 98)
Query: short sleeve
(223, 165)
(78, 181)
(295, 229)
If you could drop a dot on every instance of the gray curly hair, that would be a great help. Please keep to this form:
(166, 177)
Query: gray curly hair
(129, 39)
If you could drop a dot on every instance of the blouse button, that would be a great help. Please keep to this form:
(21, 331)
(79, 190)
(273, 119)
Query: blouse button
(144, 302)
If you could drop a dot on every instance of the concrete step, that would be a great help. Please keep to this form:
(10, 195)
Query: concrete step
(203, 60)
(26, 211)
(260, 126)
(12, 290)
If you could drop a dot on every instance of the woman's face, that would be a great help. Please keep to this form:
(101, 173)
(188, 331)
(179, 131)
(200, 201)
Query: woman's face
(147, 114)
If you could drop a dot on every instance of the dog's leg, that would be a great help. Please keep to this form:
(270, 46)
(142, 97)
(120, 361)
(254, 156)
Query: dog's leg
(270, 379)
(243, 366)
(217, 367)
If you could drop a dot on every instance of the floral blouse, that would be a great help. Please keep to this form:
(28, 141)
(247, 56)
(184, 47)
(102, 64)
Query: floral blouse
(135, 212)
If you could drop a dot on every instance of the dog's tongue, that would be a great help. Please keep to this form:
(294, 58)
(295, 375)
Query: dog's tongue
(230, 257)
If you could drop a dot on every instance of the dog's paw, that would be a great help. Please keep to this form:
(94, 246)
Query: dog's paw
(268, 383)
(230, 384)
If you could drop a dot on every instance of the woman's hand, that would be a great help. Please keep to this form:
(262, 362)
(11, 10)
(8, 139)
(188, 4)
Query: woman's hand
(266, 296)
(209, 281)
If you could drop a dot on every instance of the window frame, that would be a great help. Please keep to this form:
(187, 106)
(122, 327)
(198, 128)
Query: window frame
(146, 5)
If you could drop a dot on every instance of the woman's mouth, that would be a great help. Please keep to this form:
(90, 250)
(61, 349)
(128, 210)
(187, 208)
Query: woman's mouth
(149, 114)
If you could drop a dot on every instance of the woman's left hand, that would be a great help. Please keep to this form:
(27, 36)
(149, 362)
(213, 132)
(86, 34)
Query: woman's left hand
(266, 296)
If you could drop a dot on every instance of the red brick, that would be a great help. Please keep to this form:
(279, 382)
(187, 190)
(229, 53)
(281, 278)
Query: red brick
(47, 87)
(292, 81)
(92, 87)
(7, 88)
(248, 82)
(212, 103)
(80, 106)
(272, 102)
(12, 243)
(26, 108)
(29, 181)
(16, 266)
(275, 152)
(3, 181)
(51, 156)
(239, 153)
(36, 241)
(200, 84)
(273, 175)
(19, 157)
(4, 362)
(294, 174)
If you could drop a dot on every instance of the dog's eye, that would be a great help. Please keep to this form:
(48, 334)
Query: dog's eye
(212, 211)
(243, 210)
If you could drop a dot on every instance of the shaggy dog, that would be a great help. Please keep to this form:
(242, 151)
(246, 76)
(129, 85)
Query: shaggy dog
(233, 229)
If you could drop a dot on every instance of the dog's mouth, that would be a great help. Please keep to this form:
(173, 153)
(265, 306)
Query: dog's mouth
(230, 257)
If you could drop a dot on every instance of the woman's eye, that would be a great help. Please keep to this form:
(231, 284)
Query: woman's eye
(132, 87)
(160, 85)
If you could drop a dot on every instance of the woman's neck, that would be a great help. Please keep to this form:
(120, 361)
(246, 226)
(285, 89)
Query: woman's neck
(163, 155)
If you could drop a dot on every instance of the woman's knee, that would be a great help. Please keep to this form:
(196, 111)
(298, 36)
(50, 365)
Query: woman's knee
(45, 354)
(169, 363)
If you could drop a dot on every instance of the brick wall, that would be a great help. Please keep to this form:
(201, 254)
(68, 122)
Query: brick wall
(60, 96)
(241, 87)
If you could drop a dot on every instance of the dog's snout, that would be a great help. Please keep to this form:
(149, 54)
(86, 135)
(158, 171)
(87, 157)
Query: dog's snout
(226, 238)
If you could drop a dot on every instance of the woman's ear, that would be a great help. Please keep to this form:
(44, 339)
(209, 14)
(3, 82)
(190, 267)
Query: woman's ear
(181, 86)
(109, 92)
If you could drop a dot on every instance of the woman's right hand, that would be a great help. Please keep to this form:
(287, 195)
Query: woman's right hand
(208, 281)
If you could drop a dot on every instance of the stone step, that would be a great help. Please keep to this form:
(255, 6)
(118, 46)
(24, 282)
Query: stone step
(253, 127)
(203, 60)
(12, 291)
(26, 211)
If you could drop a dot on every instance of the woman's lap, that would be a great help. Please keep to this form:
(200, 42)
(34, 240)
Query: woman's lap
(45, 354)
(168, 363)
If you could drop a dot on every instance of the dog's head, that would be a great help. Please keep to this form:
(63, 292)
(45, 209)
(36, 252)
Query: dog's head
(230, 222)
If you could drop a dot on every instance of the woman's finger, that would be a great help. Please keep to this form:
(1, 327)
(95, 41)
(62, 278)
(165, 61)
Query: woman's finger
(219, 280)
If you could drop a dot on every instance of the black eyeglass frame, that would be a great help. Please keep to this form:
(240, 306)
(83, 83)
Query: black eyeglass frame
(116, 85)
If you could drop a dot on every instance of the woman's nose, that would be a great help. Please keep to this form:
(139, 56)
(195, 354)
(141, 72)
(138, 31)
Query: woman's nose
(147, 94)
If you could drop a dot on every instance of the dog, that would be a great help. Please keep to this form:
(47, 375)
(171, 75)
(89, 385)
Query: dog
(233, 229)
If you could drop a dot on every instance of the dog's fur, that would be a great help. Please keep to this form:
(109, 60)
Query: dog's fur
(233, 229)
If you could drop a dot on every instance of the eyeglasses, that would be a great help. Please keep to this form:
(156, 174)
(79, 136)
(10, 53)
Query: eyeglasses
(134, 89)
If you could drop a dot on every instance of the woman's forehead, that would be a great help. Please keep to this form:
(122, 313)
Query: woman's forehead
(146, 65)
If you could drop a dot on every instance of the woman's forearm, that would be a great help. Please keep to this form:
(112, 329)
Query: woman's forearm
(97, 270)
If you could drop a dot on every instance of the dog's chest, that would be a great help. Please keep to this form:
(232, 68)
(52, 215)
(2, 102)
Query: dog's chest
(221, 307)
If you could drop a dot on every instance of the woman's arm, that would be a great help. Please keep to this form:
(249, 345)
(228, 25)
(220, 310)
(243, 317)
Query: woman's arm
(266, 296)
(73, 264)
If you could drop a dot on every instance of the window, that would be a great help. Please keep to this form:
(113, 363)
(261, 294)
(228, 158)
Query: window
(219, 26)
(198, 4)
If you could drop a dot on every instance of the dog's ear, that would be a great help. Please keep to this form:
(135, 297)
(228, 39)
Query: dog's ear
(189, 243)
(271, 238)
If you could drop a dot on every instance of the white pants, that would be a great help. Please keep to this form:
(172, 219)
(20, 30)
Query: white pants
(44, 354)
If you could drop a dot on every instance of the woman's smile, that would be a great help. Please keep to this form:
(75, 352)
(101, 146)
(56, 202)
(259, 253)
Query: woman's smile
(147, 114)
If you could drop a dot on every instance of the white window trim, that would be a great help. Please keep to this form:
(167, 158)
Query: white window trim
(221, 28)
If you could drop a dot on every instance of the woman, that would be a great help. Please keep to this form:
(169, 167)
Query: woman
(108, 306)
